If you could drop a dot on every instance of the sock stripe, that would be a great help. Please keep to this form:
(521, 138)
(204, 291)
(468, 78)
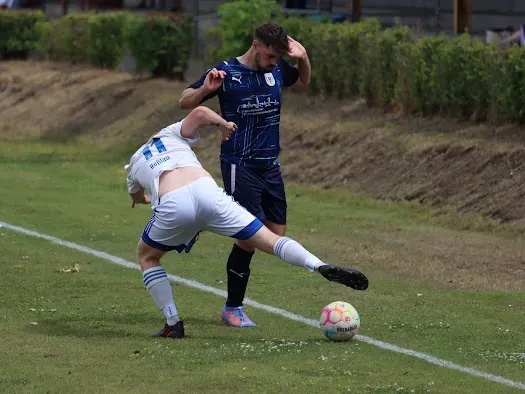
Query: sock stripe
(280, 244)
(154, 281)
(155, 277)
(154, 269)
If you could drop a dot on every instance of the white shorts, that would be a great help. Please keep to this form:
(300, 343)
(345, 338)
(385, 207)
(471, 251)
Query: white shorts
(201, 205)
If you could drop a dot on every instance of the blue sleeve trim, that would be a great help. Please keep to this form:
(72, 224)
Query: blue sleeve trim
(249, 231)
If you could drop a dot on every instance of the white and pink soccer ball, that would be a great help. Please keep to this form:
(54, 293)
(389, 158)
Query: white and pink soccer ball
(339, 321)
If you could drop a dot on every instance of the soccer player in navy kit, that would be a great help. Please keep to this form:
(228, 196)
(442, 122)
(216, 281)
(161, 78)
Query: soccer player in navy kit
(249, 90)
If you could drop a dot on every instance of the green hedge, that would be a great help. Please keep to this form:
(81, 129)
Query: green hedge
(510, 91)
(388, 58)
(459, 76)
(160, 43)
(83, 38)
(69, 38)
(105, 35)
(19, 34)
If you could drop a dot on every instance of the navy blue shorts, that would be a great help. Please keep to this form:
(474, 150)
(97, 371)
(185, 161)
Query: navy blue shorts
(259, 190)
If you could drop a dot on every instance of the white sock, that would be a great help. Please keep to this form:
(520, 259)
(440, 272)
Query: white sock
(293, 252)
(159, 287)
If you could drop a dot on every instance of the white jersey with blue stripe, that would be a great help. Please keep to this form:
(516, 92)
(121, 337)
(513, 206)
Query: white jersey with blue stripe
(167, 150)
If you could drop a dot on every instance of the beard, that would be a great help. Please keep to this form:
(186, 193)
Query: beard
(260, 66)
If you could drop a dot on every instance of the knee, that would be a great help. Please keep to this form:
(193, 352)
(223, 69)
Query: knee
(147, 262)
(147, 257)
(264, 240)
(278, 229)
(247, 245)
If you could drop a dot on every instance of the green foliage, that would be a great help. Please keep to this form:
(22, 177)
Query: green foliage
(70, 40)
(460, 76)
(405, 79)
(43, 44)
(213, 44)
(455, 76)
(83, 38)
(160, 44)
(425, 84)
(239, 19)
(512, 91)
(298, 27)
(337, 53)
(19, 34)
(324, 56)
(467, 90)
(106, 39)
(303, 30)
(388, 54)
(368, 52)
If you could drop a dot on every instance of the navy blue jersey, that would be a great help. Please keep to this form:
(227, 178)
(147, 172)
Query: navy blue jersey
(252, 99)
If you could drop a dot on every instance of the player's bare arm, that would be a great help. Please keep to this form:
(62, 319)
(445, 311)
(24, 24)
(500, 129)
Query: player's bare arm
(298, 52)
(191, 98)
(201, 116)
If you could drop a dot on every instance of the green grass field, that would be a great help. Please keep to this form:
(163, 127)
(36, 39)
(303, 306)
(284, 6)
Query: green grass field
(94, 325)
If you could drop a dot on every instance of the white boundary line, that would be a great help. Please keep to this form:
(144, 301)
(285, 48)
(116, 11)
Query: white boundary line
(292, 316)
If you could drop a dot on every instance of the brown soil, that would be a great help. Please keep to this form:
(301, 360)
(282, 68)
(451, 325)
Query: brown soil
(439, 162)
(469, 168)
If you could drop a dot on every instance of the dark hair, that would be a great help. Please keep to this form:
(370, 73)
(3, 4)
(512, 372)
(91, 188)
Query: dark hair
(273, 35)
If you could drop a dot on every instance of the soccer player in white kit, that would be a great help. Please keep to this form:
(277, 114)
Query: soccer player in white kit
(186, 200)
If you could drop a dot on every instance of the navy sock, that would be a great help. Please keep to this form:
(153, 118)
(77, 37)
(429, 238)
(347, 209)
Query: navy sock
(238, 270)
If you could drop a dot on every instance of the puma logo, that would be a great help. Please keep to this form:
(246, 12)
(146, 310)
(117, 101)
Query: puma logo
(241, 275)
(234, 78)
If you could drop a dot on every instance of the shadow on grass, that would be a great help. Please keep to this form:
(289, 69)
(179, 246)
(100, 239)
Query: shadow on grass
(131, 325)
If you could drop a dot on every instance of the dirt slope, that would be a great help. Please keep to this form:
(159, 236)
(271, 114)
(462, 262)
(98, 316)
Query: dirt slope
(472, 168)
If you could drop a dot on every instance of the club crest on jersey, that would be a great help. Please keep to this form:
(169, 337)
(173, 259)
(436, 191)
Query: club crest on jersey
(270, 80)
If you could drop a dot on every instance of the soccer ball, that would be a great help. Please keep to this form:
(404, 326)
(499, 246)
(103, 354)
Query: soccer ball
(339, 321)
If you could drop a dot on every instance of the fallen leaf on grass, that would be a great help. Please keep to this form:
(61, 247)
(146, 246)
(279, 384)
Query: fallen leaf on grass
(74, 268)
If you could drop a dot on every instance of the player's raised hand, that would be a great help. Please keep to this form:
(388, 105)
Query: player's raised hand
(214, 79)
(226, 131)
(296, 51)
